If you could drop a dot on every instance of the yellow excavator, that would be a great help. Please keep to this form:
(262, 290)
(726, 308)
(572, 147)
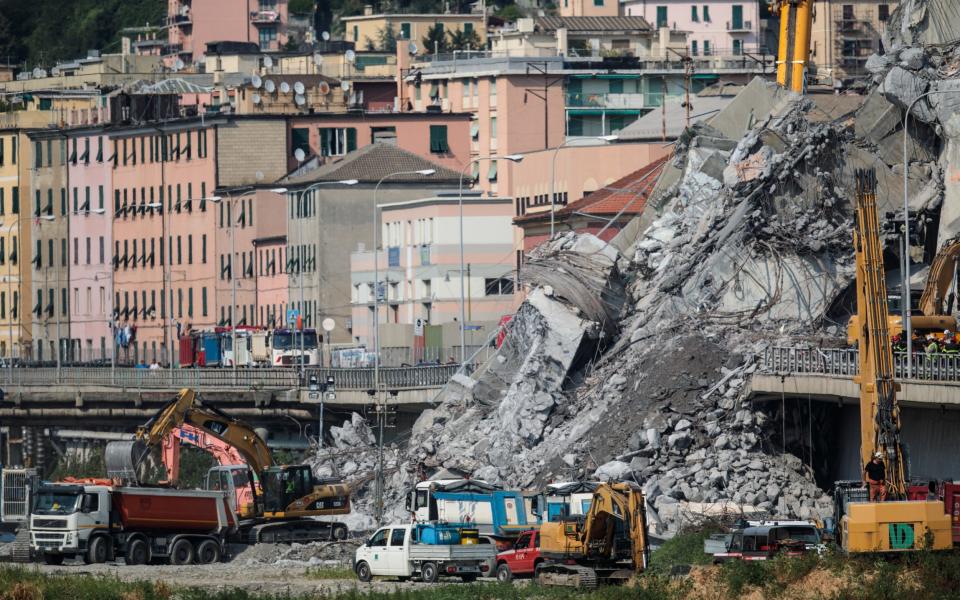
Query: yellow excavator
(898, 525)
(609, 544)
(285, 498)
(796, 22)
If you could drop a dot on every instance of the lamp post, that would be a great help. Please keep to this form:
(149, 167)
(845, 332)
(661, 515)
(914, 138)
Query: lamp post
(516, 158)
(553, 171)
(10, 295)
(905, 296)
(376, 326)
(300, 219)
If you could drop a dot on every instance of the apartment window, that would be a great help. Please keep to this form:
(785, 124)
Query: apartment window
(3, 201)
(180, 303)
(101, 249)
(203, 301)
(2, 145)
(76, 204)
(694, 16)
(100, 149)
(179, 251)
(438, 139)
(883, 14)
(88, 247)
(706, 47)
(492, 173)
(356, 33)
(15, 201)
(493, 128)
(63, 201)
(737, 16)
(405, 31)
(267, 36)
(661, 16)
(190, 302)
(694, 48)
(13, 161)
(337, 141)
(100, 197)
(706, 13)
(300, 140)
(86, 151)
(737, 47)
(76, 251)
(502, 286)
(64, 305)
(86, 199)
(190, 249)
(598, 2)
(37, 155)
(203, 248)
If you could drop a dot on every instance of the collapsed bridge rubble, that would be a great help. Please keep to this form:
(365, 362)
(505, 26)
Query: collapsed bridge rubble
(630, 360)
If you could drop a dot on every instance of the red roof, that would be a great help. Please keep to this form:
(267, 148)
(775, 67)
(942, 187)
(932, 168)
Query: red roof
(628, 194)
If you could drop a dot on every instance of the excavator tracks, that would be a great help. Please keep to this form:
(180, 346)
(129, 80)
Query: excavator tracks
(576, 576)
(302, 531)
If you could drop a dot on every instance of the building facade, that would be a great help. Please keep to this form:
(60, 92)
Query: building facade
(365, 30)
(192, 24)
(16, 328)
(844, 34)
(713, 27)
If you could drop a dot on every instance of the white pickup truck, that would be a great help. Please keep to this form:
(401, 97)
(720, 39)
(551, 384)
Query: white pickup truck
(395, 551)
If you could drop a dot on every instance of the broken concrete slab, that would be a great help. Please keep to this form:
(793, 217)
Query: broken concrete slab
(753, 104)
(877, 118)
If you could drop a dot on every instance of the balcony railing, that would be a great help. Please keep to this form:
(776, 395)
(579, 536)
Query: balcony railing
(265, 17)
(605, 100)
(741, 26)
(184, 19)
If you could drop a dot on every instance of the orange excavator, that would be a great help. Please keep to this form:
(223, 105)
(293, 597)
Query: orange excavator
(279, 502)
(796, 22)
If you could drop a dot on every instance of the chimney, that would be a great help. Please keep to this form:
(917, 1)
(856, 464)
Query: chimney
(367, 10)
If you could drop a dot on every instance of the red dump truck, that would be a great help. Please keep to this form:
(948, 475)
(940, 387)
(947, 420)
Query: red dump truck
(99, 522)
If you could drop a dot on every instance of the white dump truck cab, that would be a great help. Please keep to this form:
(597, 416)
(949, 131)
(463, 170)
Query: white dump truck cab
(64, 519)
(411, 550)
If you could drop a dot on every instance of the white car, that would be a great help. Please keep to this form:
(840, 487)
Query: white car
(395, 551)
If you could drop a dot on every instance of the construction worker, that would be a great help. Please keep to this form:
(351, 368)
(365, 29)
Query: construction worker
(876, 475)
(932, 346)
(950, 345)
(898, 344)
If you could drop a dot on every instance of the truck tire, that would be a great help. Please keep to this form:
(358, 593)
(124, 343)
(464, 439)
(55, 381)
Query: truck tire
(504, 574)
(97, 551)
(339, 532)
(429, 572)
(137, 553)
(208, 552)
(53, 559)
(363, 572)
(182, 552)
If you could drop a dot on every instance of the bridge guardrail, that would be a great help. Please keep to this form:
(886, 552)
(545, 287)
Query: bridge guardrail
(267, 379)
(844, 362)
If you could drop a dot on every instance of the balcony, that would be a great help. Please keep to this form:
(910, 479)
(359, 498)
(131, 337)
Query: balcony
(264, 17)
(739, 26)
(601, 100)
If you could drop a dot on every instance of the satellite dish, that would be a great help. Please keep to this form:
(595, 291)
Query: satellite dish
(318, 59)
(328, 324)
(300, 99)
(256, 82)
(345, 86)
(299, 154)
(257, 99)
(326, 36)
(36, 72)
(324, 88)
(55, 71)
(412, 48)
(284, 87)
(350, 55)
(269, 86)
(267, 62)
(178, 65)
(298, 87)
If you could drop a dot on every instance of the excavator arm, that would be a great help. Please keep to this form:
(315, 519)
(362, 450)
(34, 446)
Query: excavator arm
(796, 22)
(942, 272)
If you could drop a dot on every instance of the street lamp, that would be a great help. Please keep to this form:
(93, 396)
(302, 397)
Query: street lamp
(516, 158)
(376, 324)
(553, 171)
(300, 219)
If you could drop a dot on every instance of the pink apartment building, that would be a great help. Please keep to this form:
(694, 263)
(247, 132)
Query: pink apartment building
(269, 248)
(712, 26)
(173, 168)
(195, 23)
(420, 272)
(90, 175)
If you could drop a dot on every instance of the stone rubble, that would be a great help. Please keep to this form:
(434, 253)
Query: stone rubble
(635, 365)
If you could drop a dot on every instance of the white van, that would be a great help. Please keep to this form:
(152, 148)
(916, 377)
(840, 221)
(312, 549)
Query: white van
(395, 551)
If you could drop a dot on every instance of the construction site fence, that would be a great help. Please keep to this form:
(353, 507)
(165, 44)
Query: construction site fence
(845, 362)
(266, 379)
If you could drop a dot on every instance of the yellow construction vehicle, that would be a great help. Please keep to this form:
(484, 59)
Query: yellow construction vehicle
(897, 525)
(608, 544)
(796, 22)
(285, 498)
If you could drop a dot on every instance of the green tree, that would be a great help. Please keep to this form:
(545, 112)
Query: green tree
(302, 7)
(435, 40)
(509, 12)
(387, 39)
(465, 40)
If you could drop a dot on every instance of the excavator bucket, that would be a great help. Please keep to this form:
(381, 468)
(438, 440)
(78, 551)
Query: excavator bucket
(123, 459)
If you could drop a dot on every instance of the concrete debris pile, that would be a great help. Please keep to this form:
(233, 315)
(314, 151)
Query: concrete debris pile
(325, 554)
(353, 457)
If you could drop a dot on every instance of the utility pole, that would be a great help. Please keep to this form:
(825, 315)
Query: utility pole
(543, 68)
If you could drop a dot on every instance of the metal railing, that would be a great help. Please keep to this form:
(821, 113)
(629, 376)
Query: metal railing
(432, 376)
(844, 362)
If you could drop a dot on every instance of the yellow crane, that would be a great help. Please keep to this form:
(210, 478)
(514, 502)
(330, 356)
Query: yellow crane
(796, 22)
(900, 525)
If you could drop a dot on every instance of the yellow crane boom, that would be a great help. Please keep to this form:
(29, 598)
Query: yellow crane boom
(796, 22)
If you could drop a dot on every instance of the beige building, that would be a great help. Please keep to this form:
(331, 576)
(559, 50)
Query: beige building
(411, 27)
(589, 8)
(844, 34)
